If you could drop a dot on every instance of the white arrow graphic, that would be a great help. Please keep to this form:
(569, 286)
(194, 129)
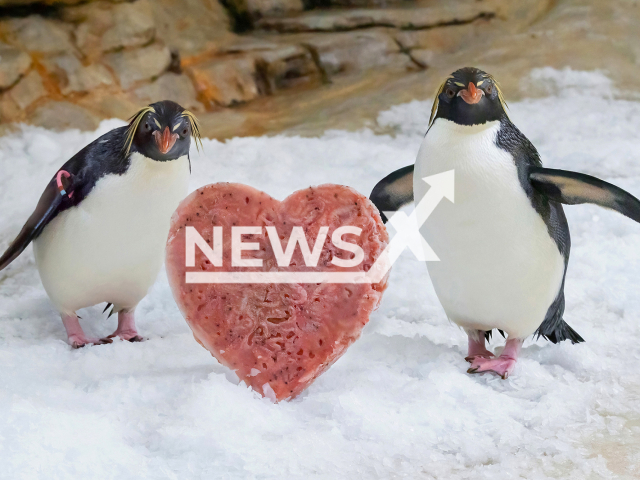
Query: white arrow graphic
(408, 227)
(407, 235)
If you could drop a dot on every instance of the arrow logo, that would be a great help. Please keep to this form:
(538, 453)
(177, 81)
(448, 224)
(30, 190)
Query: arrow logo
(408, 226)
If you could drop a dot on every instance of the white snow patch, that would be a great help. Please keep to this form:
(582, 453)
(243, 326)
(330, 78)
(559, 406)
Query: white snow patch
(569, 82)
(399, 404)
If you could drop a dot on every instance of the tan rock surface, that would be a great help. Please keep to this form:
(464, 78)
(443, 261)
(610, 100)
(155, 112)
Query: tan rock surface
(192, 27)
(63, 116)
(370, 3)
(170, 86)
(13, 64)
(132, 66)
(398, 17)
(581, 34)
(273, 8)
(9, 112)
(13, 3)
(72, 76)
(286, 66)
(115, 104)
(354, 52)
(38, 34)
(104, 26)
(226, 81)
(301, 81)
(446, 39)
(28, 90)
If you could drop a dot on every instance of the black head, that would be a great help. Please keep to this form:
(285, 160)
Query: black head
(162, 131)
(469, 97)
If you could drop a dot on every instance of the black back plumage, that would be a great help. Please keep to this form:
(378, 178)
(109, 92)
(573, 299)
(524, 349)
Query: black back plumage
(525, 156)
(101, 157)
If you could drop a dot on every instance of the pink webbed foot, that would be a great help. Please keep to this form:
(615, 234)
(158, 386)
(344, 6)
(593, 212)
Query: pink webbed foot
(126, 328)
(503, 365)
(76, 336)
(79, 341)
(129, 336)
(477, 347)
(486, 354)
(500, 366)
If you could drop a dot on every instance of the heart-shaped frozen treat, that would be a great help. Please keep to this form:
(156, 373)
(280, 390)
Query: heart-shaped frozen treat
(275, 330)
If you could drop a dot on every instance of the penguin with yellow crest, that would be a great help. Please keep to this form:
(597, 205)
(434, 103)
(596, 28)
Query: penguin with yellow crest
(100, 227)
(504, 244)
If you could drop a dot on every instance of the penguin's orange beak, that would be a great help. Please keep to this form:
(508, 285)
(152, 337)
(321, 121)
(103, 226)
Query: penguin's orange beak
(165, 140)
(471, 94)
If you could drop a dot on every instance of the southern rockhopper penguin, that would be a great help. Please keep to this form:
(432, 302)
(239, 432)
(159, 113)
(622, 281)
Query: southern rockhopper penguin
(100, 227)
(504, 244)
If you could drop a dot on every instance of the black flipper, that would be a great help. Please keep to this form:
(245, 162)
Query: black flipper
(103, 156)
(573, 188)
(47, 207)
(393, 191)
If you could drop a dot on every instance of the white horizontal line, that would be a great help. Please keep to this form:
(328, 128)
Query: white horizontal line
(278, 277)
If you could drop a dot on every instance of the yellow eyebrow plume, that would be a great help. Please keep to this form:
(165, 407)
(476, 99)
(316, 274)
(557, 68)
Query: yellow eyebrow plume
(195, 127)
(134, 121)
(434, 108)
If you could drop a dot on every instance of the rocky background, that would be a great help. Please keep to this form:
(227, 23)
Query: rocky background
(249, 67)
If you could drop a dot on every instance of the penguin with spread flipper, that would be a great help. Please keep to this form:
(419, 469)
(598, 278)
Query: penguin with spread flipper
(504, 244)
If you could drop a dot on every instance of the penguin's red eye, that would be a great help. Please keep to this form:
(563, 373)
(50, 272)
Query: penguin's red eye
(147, 126)
(450, 93)
(489, 89)
(185, 131)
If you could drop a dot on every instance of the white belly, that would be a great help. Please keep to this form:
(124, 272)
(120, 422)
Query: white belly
(498, 268)
(110, 247)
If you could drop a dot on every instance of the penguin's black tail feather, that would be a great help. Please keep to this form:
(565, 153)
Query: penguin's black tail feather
(572, 188)
(393, 191)
(562, 332)
(554, 328)
(488, 334)
(107, 308)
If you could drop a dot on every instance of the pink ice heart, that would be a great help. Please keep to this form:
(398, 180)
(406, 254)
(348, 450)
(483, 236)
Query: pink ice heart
(277, 337)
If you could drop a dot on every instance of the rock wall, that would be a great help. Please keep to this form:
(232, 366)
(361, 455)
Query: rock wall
(71, 63)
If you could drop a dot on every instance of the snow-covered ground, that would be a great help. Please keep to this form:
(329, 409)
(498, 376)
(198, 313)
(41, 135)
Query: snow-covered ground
(399, 404)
